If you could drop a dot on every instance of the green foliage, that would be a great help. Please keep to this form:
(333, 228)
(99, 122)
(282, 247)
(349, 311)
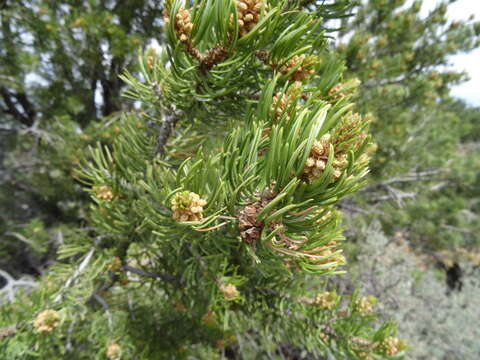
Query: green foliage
(59, 75)
(451, 205)
(72, 49)
(44, 189)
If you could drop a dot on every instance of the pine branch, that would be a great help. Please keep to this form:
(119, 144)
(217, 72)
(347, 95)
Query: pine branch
(8, 290)
(27, 118)
(9, 330)
(410, 177)
(169, 121)
(158, 276)
(83, 265)
(457, 229)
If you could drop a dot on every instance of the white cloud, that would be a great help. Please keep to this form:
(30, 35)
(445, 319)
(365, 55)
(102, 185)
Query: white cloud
(470, 63)
(468, 91)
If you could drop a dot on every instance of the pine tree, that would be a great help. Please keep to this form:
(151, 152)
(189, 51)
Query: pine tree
(401, 57)
(214, 229)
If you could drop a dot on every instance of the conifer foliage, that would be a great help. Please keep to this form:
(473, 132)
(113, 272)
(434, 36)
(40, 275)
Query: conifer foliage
(214, 206)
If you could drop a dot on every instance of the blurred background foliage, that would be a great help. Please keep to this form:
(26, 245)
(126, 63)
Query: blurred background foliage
(425, 173)
(60, 92)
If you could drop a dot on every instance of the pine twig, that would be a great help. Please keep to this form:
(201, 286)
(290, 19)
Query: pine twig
(75, 275)
(169, 121)
(150, 274)
(9, 289)
(410, 177)
(9, 330)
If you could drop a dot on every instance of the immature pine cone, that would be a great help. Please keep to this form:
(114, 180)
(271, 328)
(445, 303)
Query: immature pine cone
(47, 320)
(213, 57)
(187, 206)
(248, 13)
(250, 227)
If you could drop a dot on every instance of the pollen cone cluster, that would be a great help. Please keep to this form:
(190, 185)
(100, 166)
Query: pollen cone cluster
(306, 67)
(282, 101)
(326, 300)
(248, 14)
(151, 58)
(183, 24)
(47, 320)
(114, 351)
(365, 305)
(349, 134)
(317, 161)
(392, 346)
(340, 90)
(335, 92)
(279, 103)
(103, 192)
(229, 291)
(187, 206)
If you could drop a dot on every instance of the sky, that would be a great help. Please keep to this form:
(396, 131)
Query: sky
(461, 10)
